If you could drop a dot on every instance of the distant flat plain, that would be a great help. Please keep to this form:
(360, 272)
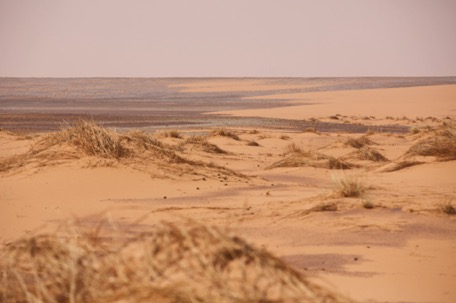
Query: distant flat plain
(42, 104)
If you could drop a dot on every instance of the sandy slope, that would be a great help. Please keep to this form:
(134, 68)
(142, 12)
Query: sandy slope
(412, 102)
(401, 250)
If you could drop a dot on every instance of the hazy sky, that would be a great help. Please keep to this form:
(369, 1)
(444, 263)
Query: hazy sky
(165, 38)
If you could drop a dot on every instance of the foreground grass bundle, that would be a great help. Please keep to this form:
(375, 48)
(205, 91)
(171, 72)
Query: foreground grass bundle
(184, 262)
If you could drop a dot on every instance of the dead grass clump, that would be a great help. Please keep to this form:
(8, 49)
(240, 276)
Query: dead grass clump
(89, 138)
(312, 159)
(337, 163)
(142, 140)
(225, 133)
(252, 143)
(368, 153)
(182, 262)
(171, 134)
(310, 130)
(448, 209)
(349, 186)
(358, 142)
(414, 130)
(204, 145)
(367, 204)
(440, 144)
(293, 148)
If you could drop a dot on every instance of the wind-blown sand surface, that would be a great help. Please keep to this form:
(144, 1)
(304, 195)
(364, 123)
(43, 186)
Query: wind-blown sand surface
(275, 188)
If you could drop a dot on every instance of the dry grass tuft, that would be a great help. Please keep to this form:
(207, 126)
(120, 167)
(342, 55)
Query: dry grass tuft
(310, 130)
(89, 138)
(204, 145)
(225, 133)
(337, 163)
(177, 263)
(293, 148)
(171, 134)
(448, 209)
(136, 149)
(358, 142)
(252, 143)
(368, 153)
(440, 144)
(367, 204)
(103, 147)
(310, 158)
(349, 186)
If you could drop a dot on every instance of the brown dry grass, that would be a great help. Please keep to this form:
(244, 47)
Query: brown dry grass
(448, 209)
(358, 142)
(293, 148)
(368, 153)
(349, 185)
(201, 143)
(135, 149)
(182, 262)
(170, 134)
(440, 144)
(252, 143)
(300, 157)
(90, 139)
(225, 133)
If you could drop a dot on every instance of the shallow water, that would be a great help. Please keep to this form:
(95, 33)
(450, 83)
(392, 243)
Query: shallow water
(44, 103)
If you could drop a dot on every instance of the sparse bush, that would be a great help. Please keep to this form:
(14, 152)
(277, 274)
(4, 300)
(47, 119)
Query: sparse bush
(368, 153)
(89, 138)
(171, 134)
(310, 158)
(335, 163)
(448, 209)
(349, 186)
(414, 130)
(367, 204)
(441, 144)
(252, 143)
(225, 133)
(293, 148)
(204, 145)
(358, 142)
(310, 130)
